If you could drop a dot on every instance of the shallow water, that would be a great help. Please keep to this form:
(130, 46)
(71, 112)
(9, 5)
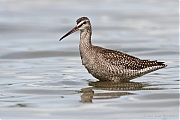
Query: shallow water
(43, 78)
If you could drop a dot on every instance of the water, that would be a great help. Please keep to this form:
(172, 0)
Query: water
(43, 78)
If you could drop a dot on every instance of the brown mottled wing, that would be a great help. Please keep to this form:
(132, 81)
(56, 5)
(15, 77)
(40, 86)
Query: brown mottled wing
(127, 61)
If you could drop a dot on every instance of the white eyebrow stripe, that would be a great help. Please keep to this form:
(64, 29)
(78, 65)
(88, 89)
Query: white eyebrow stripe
(80, 23)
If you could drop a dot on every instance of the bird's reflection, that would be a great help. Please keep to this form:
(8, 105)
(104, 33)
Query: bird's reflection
(115, 90)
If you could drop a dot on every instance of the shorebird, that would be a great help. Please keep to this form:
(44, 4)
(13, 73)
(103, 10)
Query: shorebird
(109, 65)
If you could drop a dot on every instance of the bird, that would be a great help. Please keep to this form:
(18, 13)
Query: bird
(109, 65)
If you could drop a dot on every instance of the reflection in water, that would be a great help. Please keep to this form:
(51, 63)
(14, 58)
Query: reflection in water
(108, 85)
(88, 93)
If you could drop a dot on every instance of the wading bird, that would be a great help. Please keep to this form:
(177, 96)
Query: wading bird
(105, 64)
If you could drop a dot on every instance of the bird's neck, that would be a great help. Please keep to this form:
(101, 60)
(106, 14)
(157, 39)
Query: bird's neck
(85, 39)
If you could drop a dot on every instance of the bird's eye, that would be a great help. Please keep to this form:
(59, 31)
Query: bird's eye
(84, 22)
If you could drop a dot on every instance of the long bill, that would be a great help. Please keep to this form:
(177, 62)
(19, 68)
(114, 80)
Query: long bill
(70, 32)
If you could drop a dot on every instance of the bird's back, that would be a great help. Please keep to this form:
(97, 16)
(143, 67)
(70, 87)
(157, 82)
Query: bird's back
(114, 65)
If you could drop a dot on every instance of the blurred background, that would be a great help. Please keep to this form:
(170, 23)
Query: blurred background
(38, 24)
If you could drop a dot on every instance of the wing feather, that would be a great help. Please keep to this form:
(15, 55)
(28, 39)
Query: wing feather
(118, 58)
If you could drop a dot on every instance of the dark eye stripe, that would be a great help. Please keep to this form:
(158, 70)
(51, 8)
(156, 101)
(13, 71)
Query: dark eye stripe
(82, 24)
